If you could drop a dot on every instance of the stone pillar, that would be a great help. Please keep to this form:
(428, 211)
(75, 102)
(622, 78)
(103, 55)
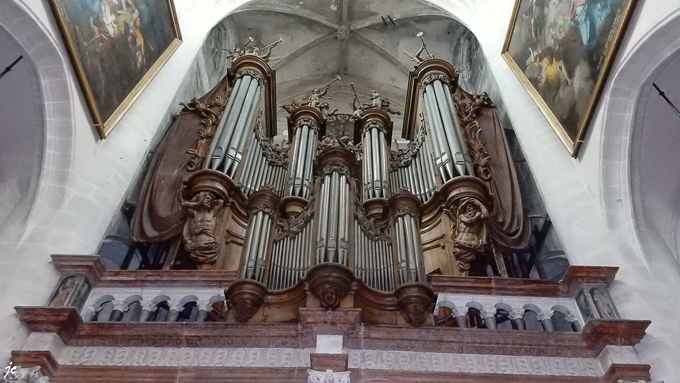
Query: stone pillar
(147, 308)
(204, 307)
(545, 316)
(517, 316)
(119, 307)
(176, 307)
(489, 317)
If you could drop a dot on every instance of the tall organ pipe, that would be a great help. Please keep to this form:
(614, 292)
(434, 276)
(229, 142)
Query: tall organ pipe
(376, 179)
(235, 147)
(256, 247)
(334, 207)
(459, 131)
(304, 123)
(220, 127)
(229, 119)
(455, 147)
(442, 155)
(406, 208)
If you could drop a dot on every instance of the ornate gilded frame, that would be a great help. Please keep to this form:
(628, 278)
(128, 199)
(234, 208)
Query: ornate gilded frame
(615, 37)
(105, 125)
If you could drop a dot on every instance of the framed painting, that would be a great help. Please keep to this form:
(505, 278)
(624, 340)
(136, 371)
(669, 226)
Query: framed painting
(562, 52)
(116, 48)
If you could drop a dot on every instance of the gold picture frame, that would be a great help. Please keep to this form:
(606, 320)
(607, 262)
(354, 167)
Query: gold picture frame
(116, 48)
(562, 53)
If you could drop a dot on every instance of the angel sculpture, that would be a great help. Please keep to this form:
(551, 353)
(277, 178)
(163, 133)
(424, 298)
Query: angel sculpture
(423, 48)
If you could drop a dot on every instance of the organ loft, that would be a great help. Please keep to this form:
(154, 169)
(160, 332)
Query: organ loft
(348, 248)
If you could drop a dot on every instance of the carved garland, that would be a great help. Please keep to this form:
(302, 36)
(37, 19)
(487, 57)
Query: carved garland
(374, 125)
(275, 155)
(467, 112)
(336, 167)
(306, 121)
(404, 157)
(252, 73)
(374, 229)
(292, 226)
(434, 76)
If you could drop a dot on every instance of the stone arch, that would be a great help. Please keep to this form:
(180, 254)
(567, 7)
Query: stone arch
(56, 98)
(625, 93)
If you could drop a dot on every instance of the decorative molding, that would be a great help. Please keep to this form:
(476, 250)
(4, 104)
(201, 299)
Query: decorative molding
(328, 376)
(255, 74)
(184, 356)
(473, 363)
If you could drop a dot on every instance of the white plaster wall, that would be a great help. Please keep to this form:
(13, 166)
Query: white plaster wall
(92, 174)
(574, 189)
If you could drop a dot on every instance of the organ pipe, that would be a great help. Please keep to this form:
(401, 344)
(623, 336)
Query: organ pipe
(451, 153)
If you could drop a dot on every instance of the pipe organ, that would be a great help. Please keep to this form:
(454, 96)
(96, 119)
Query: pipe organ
(343, 216)
(340, 235)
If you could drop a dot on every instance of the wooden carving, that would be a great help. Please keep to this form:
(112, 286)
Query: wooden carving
(199, 231)
(469, 232)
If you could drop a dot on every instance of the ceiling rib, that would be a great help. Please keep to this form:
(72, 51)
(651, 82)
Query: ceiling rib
(372, 46)
(396, 16)
(303, 49)
(290, 11)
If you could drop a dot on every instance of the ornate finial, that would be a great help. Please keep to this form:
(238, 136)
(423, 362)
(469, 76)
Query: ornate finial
(423, 48)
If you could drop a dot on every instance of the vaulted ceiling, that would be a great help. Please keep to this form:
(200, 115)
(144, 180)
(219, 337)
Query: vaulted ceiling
(362, 41)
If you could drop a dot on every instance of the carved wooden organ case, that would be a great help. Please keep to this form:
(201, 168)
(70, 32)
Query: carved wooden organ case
(334, 221)
(332, 235)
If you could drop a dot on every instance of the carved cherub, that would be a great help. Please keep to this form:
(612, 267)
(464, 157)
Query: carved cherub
(199, 231)
(266, 51)
(376, 101)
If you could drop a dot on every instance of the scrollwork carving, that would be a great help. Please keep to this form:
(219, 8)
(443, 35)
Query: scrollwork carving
(199, 231)
(209, 113)
(467, 112)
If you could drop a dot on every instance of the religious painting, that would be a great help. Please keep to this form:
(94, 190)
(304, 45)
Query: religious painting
(116, 47)
(562, 52)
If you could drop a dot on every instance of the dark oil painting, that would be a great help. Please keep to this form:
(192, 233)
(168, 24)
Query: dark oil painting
(562, 52)
(116, 46)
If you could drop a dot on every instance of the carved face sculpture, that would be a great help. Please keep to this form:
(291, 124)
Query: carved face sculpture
(415, 314)
(330, 297)
(206, 199)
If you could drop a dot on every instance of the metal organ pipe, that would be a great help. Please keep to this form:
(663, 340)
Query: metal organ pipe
(450, 129)
(304, 149)
(442, 155)
(237, 140)
(220, 127)
(459, 132)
